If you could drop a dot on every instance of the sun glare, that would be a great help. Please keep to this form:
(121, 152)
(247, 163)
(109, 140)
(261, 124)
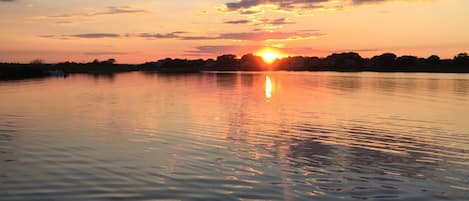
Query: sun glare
(269, 57)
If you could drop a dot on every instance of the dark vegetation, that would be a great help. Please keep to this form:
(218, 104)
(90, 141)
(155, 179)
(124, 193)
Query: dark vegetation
(342, 62)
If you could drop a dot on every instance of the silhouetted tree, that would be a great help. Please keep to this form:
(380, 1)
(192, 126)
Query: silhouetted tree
(297, 63)
(110, 61)
(312, 63)
(169, 65)
(433, 62)
(37, 61)
(461, 56)
(461, 60)
(251, 62)
(348, 61)
(227, 62)
(386, 60)
(406, 61)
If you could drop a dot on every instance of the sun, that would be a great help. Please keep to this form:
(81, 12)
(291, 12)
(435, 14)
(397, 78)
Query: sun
(269, 57)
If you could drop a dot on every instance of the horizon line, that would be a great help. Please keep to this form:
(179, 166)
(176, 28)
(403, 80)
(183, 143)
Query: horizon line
(42, 61)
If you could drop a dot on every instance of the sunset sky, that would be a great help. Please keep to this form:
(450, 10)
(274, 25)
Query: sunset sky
(135, 31)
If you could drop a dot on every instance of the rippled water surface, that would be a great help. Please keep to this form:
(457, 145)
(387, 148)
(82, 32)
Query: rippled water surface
(236, 136)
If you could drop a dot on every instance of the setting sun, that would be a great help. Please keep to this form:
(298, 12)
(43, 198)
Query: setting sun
(269, 57)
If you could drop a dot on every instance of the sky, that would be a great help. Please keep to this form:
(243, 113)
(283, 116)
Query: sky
(137, 31)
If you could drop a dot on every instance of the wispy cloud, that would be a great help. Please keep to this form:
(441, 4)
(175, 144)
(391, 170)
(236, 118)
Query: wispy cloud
(262, 36)
(243, 6)
(88, 36)
(262, 21)
(238, 22)
(222, 49)
(180, 35)
(96, 35)
(278, 21)
(104, 53)
(211, 50)
(174, 35)
(111, 10)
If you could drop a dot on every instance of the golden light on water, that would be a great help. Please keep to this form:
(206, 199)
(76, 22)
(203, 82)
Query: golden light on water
(268, 87)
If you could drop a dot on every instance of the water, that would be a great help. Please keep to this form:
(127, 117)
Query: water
(229, 136)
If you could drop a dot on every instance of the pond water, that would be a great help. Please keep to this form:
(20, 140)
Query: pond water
(236, 136)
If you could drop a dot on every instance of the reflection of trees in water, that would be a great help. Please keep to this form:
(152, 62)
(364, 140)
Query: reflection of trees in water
(231, 80)
(362, 160)
(384, 84)
(105, 77)
(239, 108)
(7, 135)
(226, 80)
(179, 79)
(433, 84)
(344, 83)
(150, 74)
(238, 113)
(7, 130)
(387, 84)
(408, 85)
(237, 130)
(308, 152)
(349, 167)
(237, 121)
(247, 80)
(461, 87)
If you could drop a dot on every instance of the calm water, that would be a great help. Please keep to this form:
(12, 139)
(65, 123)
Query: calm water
(228, 136)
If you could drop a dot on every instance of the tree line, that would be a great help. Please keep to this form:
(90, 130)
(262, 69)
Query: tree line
(342, 62)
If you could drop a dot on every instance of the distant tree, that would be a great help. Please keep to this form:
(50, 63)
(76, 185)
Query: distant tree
(208, 64)
(461, 56)
(407, 61)
(110, 61)
(462, 59)
(385, 60)
(433, 60)
(297, 63)
(226, 57)
(227, 62)
(312, 62)
(37, 61)
(251, 62)
(345, 61)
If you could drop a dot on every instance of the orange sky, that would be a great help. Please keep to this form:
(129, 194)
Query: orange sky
(146, 30)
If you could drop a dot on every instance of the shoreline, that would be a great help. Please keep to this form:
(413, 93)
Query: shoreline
(338, 62)
(28, 71)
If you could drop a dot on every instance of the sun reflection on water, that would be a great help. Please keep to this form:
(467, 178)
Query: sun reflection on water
(268, 87)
